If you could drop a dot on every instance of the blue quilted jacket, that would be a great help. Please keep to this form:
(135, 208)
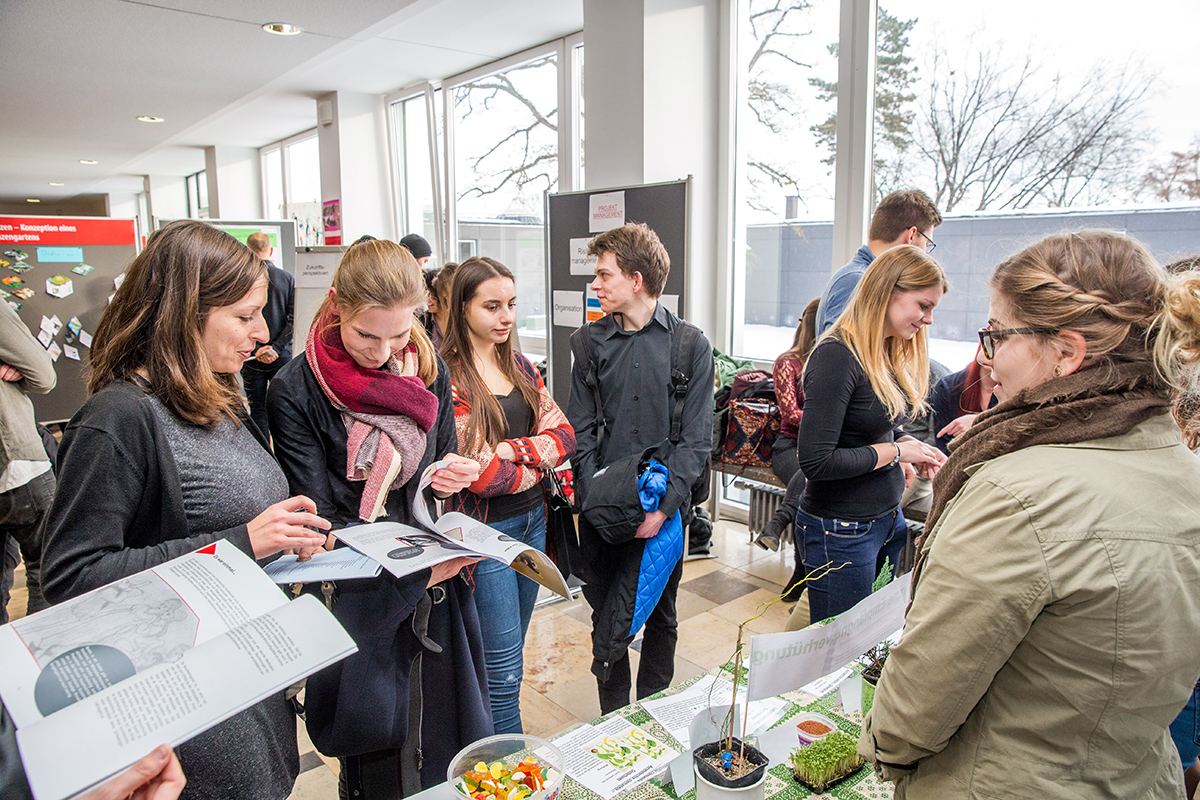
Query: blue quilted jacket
(661, 553)
(630, 575)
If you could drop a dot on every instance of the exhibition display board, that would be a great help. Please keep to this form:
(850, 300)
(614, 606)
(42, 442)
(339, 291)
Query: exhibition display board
(281, 231)
(572, 219)
(314, 276)
(59, 273)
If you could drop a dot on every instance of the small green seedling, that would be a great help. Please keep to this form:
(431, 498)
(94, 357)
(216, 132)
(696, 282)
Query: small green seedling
(820, 764)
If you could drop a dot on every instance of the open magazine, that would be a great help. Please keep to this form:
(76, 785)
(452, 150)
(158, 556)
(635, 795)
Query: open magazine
(97, 682)
(403, 549)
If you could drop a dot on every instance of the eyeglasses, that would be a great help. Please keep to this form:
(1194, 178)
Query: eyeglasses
(931, 244)
(988, 338)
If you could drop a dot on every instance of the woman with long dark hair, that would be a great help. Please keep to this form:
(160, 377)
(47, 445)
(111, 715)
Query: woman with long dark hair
(959, 398)
(356, 422)
(162, 460)
(507, 421)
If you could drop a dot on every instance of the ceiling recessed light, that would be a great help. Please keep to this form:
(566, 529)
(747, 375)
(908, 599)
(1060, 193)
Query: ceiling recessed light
(282, 28)
(87, 161)
(57, 183)
(146, 118)
(32, 200)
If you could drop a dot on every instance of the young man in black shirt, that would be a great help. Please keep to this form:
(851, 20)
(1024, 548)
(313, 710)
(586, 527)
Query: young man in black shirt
(630, 355)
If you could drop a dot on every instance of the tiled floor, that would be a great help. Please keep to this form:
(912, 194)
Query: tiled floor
(559, 691)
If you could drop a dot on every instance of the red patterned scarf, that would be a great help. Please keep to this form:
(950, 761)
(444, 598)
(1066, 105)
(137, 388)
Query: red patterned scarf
(387, 412)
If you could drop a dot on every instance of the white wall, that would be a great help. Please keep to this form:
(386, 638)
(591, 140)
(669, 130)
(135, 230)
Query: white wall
(168, 196)
(354, 164)
(652, 94)
(234, 182)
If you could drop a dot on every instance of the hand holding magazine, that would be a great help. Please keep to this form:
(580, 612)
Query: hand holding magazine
(157, 657)
(403, 549)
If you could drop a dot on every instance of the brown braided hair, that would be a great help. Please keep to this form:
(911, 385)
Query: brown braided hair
(1106, 286)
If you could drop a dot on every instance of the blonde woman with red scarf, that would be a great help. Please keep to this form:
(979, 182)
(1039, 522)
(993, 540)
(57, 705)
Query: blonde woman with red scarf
(355, 421)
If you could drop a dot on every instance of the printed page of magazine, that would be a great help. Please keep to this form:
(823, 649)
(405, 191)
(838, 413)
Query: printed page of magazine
(69, 651)
(484, 539)
(107, 732)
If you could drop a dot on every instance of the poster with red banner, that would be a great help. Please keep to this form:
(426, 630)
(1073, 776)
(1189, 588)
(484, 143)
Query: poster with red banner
(58, 274)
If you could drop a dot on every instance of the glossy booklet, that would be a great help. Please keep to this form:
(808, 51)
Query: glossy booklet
(155, 658)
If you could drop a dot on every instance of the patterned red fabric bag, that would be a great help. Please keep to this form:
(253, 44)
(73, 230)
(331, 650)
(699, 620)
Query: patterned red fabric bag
(750, 432)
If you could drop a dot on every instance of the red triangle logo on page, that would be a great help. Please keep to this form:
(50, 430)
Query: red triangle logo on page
(211, 550)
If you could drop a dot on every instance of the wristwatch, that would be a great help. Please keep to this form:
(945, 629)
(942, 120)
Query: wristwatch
(896, 460)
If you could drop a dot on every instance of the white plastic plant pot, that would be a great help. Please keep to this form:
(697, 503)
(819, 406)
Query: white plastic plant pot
(710, 791)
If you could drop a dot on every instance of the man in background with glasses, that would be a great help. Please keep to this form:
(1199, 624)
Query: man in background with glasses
(906, 217)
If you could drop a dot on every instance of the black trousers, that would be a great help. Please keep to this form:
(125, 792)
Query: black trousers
(21, 511)
(255, 380)
(657, 666)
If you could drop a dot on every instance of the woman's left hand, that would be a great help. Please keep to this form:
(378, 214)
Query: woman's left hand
(457, 475)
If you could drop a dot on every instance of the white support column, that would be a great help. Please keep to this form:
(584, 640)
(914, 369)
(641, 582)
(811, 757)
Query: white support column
(441, 246)
(653, 114)
(855, 128)
(568, 114)
(234, 176)
(353, 147)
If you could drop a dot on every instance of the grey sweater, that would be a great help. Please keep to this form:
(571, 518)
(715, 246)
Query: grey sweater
(19, 439)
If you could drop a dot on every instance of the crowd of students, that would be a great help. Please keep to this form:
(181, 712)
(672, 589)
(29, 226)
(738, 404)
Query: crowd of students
(1057, 586)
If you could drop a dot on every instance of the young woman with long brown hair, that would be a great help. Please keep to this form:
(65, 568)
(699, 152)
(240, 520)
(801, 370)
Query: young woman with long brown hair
(507, 421)
(861, 380)
(162, 460)
(355, 423)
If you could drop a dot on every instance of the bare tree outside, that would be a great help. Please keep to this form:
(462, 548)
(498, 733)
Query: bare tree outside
(990, 135)
(774, 72)
(1177, 177)
(512, 152)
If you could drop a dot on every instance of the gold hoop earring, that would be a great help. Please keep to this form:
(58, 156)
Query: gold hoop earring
(1057, 371)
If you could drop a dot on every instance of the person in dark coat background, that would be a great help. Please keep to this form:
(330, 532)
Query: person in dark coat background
(397, 711)
(279, 313)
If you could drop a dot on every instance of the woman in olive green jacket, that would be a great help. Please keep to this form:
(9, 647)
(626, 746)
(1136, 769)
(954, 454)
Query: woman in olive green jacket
(1054, 631)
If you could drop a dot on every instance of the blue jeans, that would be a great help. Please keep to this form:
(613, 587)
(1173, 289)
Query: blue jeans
(505, 601)
(862, 546)
(1185, 730)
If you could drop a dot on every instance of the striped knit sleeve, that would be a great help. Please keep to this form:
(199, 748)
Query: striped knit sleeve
(498, 476)
(554, 442)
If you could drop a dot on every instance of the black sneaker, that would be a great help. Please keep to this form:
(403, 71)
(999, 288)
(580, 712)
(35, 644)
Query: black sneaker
(768, 539)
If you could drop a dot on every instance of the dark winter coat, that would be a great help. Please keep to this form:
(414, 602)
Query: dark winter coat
(360, 705)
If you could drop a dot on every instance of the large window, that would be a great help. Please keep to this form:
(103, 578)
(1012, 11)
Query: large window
(785, 197)
(505, 158)
(500, 141)
(1018, 130)
(291, 172)
(197, 195)
(413, 147)
(1014, 129)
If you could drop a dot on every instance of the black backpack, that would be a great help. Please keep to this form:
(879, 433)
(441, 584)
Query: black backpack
(682, 339)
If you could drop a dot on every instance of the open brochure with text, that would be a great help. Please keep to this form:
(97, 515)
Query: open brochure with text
(154, 658)
(403, 549)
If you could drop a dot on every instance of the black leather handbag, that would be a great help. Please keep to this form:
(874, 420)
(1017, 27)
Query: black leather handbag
(562, 539)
